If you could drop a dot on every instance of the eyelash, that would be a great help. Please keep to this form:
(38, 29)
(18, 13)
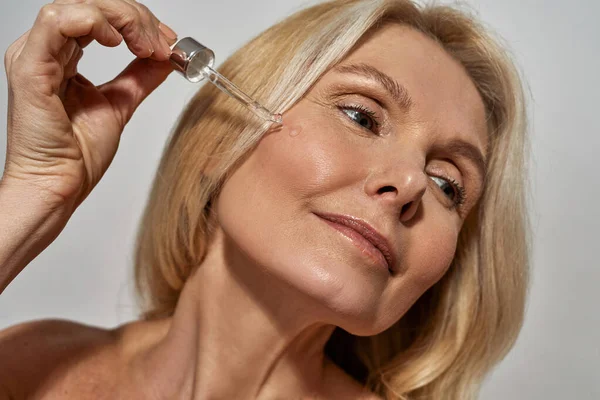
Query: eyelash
(459, 190)
(364, 110)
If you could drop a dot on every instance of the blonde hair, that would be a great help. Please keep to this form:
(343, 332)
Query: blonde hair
(461, 327)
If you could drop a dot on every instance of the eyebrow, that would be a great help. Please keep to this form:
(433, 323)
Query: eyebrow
(395, 89)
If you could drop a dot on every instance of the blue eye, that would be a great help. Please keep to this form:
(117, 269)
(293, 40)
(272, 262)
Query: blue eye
(452, 189)
(361, 116)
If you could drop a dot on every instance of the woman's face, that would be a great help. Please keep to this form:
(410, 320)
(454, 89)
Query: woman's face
(394, 136)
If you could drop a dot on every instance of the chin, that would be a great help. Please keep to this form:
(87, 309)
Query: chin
(341, 293)
(321, 272)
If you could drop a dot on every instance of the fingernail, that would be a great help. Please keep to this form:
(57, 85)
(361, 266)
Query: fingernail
(149, 42)
(170, 33)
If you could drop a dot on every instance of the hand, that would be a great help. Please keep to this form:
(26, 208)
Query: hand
(63, 131)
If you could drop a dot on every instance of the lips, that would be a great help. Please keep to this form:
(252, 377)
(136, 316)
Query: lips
(367, 232)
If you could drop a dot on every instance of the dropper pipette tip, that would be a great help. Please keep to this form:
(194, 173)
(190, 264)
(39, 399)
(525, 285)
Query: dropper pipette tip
(233, 91)
(277, 118)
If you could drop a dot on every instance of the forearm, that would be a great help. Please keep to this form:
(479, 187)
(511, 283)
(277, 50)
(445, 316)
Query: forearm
(28, 224)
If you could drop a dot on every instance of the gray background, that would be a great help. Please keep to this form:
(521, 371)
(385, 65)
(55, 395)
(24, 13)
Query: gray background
(85, 275)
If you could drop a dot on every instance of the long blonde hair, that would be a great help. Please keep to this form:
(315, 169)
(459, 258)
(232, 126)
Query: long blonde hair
(461, 327)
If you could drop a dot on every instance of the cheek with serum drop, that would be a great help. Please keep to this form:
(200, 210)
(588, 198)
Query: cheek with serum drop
(292, 128)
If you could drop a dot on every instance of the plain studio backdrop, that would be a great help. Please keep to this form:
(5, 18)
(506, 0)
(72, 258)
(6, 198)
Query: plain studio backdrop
(86, 274)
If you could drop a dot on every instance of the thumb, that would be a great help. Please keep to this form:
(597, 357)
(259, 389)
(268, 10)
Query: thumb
(126, 91)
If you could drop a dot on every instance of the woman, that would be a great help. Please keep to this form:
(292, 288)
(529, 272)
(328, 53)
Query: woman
(373, 246)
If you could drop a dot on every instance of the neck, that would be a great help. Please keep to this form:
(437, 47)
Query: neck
(237, 332)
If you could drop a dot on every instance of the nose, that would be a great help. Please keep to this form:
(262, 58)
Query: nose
(401, 187)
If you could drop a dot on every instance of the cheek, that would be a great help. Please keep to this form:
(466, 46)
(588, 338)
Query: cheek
(436, 253)
(428, 255)
(432, 251)
(304, 158)
(271, 193)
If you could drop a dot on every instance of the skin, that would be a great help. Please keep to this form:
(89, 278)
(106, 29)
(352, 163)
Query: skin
(277, 279)
(270, 246)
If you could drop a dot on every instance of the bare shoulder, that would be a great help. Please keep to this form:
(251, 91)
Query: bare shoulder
(39, 357)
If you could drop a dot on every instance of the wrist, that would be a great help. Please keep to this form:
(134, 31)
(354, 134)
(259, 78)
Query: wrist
(30, 219)
(34, 197)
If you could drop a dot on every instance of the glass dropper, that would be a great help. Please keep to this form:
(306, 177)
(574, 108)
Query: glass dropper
(229, 88)
(195, 61)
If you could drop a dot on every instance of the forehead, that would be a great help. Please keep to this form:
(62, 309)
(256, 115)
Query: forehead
(442, 92)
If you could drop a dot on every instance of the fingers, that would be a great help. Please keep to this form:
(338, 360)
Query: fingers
(13, 52)
(58, 22)
(62, 29)
(106, 21)
(68, 50)
(71, 63)
(159, 32)
(70, 71)
(168, 32)
(137, 24)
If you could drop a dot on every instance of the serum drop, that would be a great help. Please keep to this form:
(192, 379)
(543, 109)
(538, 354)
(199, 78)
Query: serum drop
(295, 130)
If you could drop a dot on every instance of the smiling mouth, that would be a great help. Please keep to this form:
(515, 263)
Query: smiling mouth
(366, 247)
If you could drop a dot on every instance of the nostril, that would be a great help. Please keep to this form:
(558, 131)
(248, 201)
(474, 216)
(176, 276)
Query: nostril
(387, 189)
